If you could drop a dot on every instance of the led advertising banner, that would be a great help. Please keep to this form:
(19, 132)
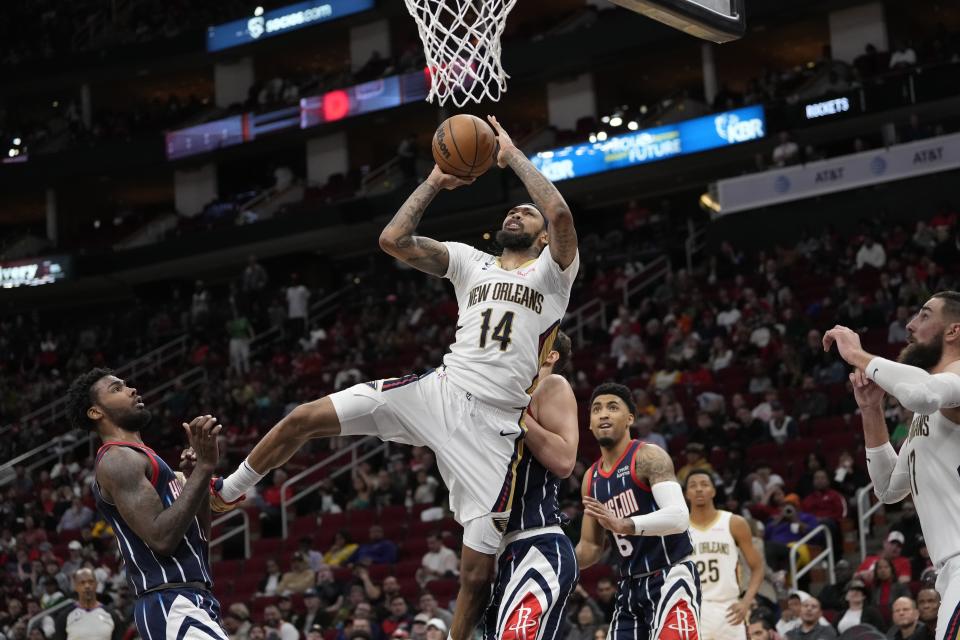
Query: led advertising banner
(651, 145)
(384, 93)
(279, 21)
(33, 272)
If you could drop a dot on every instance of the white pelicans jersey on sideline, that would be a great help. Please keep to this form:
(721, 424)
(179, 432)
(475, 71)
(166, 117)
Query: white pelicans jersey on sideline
(507, 324)
(717, 557)
(930, 459)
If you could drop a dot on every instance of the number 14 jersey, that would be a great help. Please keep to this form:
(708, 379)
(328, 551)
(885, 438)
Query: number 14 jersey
(625, 495)
(507, 322)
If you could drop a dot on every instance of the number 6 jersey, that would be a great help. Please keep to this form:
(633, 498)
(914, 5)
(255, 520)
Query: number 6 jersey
(625, 495)
(507, 324)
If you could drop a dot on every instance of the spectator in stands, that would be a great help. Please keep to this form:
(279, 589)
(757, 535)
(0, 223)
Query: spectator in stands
(928, 607)
(341, 550)
(892, 548)
(74, 560)
(811, 626)
(787, 152)
(858, 609)
(399, 618)
(909, 526)
(781, 428)
(76, 517)
(606, 598)
(582, 623)
(299, 578)
(438, 562)
(436, 629)
(314, 632)
(407, 156)
(268, 501)
(240, 332)
(886, 588)
(644, 429)
(784, 530)
(833, 596)
(254, 282)
(827, 506)
(897, 330)
(330, 594)
(871, 254)
(234, 626)
(418, 629)
(764, 483)
(695, 454)
(426, 488)
(846, 477)
(924, 237)
(200, 305)
(377, 550)
(274, 622)
(298, 308)
(268, 586)
(431, 608)
(906, 622)
(761, 627)
(313, 557)
(810, 402)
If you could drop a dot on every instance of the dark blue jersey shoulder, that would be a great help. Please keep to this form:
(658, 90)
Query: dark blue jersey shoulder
(536, 502)
(626, 495)
(190, 561)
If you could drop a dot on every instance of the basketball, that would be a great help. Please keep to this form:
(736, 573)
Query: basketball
(464, 146)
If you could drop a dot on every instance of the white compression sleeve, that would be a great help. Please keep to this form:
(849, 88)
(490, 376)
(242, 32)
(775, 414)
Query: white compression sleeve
(891, 480)
(239, 482)
(916, 389)
(673, 516)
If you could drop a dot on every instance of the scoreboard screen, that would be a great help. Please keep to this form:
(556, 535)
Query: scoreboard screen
(715, 20)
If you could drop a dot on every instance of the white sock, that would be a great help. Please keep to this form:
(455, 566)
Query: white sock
(239, 482)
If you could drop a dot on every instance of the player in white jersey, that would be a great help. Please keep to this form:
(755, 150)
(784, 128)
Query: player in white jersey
(470, 410)
(718, 539)
(925, 380)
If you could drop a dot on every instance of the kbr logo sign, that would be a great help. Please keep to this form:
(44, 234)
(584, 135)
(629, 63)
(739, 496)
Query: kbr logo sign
(255, 27)
(732, 129)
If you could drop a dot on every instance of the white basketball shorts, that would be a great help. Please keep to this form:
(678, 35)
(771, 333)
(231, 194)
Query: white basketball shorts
(714, 625)
(477, 445)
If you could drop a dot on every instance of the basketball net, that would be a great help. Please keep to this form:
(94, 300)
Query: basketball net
(461, 39)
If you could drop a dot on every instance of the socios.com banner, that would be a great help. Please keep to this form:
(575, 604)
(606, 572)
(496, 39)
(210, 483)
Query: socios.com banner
(651, 145)
(839, 174)
(278, 21)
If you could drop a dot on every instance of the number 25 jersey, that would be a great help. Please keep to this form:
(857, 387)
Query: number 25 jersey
(507, 322)
(625, 495)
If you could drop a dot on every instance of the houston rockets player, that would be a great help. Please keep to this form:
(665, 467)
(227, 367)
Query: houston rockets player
(718, 538)
(926, 380)
(633, 493)
(536, 564)
(162, 525)
(470, 411)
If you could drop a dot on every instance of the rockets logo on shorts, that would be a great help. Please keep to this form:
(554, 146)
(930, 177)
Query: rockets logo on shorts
(681, 624)
(524, 622)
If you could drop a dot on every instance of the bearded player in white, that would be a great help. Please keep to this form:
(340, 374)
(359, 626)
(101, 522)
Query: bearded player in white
(469, 411)
(926, 381)
(718, 539)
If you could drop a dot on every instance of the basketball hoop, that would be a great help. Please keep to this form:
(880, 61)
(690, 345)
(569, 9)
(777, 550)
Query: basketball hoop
(461, 39)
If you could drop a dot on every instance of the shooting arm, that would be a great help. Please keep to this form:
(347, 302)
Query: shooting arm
(916, 389)
(654, 465)
(552, 430)
(889, 473)
(398, 237)
(563, 234)
(122, 473)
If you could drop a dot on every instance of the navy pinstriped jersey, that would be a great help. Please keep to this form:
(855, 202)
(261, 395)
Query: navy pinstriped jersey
(627, 496)
(536, 503)
(146, 570)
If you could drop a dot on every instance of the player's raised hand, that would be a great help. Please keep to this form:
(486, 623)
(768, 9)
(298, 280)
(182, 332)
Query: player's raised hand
(607, 518)
(188, 460)
(504, 143)
(866, 392)
(202, 433)
(847, 341)
(442, 180)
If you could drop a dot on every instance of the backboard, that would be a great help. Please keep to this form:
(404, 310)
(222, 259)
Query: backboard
(716, 20)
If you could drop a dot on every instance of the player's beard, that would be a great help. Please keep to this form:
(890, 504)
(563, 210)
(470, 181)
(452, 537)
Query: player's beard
(923, 355)
(606, 442)
(132, 419)
(515, 239)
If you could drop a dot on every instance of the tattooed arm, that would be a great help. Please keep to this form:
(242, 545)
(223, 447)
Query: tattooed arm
(398, 239)
(563, 235)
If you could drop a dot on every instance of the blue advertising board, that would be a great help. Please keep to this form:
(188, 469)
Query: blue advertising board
(651, 145)
(279, 21)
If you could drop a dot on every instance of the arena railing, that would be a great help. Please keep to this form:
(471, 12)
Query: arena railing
(355, 457)
(56, 410)
(695, 243)
(242, 528)
(576, 320)
(38, 619)
(865, 512)
(56, 448)
(826, 554)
